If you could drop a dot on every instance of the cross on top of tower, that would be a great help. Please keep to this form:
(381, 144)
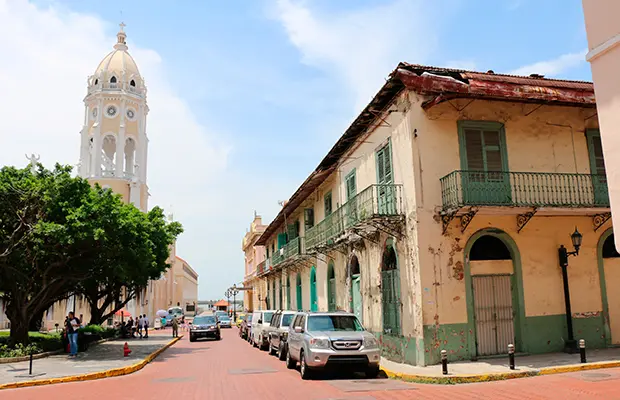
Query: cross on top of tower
(122, 25)
(121, 44)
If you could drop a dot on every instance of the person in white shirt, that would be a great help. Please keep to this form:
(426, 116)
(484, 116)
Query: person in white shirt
(140, 325)
(145, 323)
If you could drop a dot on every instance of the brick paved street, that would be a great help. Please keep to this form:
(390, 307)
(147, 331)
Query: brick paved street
(232, 369)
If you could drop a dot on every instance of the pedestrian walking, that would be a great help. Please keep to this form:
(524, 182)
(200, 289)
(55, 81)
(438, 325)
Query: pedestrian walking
(72, 324)
(140, 325)
(131, 327)
(175, 327)
(146, 326)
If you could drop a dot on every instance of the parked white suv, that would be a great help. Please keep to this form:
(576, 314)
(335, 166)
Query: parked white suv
(331, 340)
(260, 326)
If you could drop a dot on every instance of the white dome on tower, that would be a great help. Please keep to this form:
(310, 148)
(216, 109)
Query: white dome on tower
(117, 70)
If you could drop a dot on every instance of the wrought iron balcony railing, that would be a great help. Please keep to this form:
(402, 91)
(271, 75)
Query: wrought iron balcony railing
(378, 200)
(291, 249)
(523, 189)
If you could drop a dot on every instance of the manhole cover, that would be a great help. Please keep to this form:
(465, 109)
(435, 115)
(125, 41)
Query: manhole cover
(597, 376)
(247, 371)
(176, 380)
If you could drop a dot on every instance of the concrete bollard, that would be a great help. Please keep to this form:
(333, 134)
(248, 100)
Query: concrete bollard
(511, 355)
(582, 350)
(444, 362)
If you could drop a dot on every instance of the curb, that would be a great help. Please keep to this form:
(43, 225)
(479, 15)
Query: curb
(94, 375)
(499, 376)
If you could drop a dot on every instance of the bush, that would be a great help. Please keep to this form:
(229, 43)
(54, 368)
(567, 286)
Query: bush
(98, 330)
(44, 341)
(19, 351)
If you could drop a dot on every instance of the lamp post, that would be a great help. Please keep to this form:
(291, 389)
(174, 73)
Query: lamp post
(227, 294)
(570, 346)
(234, 291)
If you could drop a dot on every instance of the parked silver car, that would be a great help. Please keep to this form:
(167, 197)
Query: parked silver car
(260, 321)
(278, 332)
(327, 340)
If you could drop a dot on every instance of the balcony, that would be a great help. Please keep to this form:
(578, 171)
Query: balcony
(289, 251)
(376, 201)
(523, 189)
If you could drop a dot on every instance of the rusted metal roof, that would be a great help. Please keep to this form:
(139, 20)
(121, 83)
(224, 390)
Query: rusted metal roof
(440, 84)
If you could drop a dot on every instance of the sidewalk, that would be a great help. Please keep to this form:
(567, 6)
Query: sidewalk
(498, 368)
(95, 363)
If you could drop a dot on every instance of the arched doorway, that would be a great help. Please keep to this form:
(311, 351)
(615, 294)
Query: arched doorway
(390, 290)
(609, 273)
(356, 286)
(299, 298)
(331, 287)
(494, 292)
(313, 297)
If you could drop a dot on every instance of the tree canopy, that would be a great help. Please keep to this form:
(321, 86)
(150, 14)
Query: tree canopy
(59, 235)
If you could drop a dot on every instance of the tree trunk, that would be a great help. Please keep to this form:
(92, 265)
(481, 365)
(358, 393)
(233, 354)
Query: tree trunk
(96, 314)
(19, 324)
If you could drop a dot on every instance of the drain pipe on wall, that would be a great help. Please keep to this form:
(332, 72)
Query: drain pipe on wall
(572, 136)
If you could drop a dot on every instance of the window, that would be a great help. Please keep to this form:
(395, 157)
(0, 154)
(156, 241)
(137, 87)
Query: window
(489, 247)
(483, 146)
(292, 231)
(328, 203)
(595, 148)
(133, 83)
(609, 248)
(350, 184)
(96, 81)
(286, 319)
(333, 323)
(113, 79)
(308, 218)
(384, 164)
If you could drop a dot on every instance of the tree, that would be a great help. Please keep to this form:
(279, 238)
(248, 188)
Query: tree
(55, 232)
(125, 268)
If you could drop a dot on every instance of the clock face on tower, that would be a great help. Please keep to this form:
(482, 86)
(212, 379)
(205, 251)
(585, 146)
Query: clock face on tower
(111, 111)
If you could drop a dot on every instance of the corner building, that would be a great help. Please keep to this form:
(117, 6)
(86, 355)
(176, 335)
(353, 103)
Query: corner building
(437, 218)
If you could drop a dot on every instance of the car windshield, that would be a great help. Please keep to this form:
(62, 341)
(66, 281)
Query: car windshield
(330, 323)
(224, 318)
(204, 320)
(286, 319)
(267, 317)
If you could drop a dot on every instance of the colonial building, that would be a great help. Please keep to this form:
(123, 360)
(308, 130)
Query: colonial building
(439, 215)
(254, 262)
(113, 154)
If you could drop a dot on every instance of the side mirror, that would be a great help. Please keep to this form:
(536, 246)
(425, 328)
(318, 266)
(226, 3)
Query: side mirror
(299, 329)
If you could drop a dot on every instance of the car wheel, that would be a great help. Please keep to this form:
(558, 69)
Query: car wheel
(290, 363)
(304, 371)
(218, 337)
(282, 352)
(272, 351)
(254, 344)
(192, 338)
(372, 372)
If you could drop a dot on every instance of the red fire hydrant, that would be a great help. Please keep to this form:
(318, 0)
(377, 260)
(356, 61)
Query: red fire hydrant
(126, 350)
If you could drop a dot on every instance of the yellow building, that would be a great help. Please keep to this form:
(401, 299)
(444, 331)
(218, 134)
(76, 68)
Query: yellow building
(113, 153)
(438, 217)
(254, 262)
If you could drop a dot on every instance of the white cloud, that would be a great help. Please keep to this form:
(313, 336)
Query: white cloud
(362, 47)
(553, 67)
(46, 55)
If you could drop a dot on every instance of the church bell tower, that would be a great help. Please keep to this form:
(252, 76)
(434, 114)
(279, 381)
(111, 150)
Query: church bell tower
(114, 145)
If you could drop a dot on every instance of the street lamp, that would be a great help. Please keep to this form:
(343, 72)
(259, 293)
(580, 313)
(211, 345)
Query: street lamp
(227, 294)
(234, 291)
(570, 346)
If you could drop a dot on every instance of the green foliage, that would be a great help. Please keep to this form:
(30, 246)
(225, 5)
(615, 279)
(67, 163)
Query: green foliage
(59, 235)
(19, 350)
(42, 342)
(105, 333)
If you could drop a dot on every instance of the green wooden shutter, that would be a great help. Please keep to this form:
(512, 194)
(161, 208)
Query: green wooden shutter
(595, 148)
(384, 165)
(281, 240)
(483, 146)
(474, 148)
(292, 231)
(308, 218)
(327, 200)
(351, 185)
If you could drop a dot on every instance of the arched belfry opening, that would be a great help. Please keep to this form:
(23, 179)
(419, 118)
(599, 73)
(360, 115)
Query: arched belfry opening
(130, 156)
(108, 156)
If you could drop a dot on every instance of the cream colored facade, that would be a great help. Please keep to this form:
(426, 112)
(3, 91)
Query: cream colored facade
(422, 253)
(113, 153)
(254, 259)
(603, 33)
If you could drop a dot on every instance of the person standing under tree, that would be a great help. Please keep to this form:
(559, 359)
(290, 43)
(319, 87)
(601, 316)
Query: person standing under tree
(175, 327)
(72, 324)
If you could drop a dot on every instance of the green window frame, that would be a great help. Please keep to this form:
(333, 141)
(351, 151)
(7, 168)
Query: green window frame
(327, 201)
(308, 218)
(299, 294)
(350, 184)
(331, 287)
(288, 292)
(597, 167)
(314, 298)
(281, 240)
(383, 158)
(485, 160)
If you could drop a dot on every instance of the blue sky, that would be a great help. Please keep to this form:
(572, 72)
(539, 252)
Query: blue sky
(271, 85)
